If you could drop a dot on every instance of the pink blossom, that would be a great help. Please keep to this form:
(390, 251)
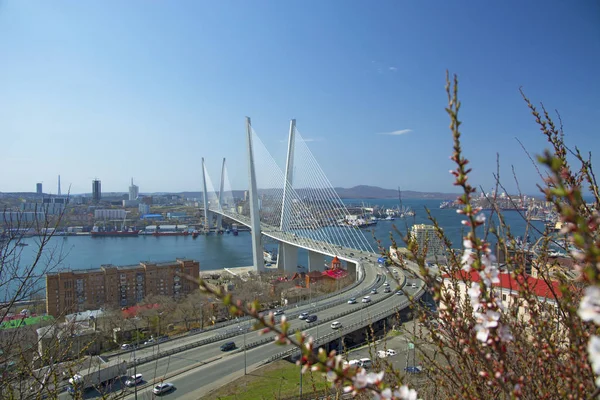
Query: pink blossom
(474, 295)
(404, 393)
(594, 355)
(486, 320)
(359, 381)
(490, 273)
(482, 333)
(467, 260)
(589, 308)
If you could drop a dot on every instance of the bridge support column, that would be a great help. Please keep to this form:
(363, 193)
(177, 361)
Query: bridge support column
(354, 268)
(316, 261)
(287, 259)
(284, 223)
(207, 216)
(257, 250)
(220, 216)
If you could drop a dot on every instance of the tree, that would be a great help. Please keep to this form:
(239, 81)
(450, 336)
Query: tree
(193, 308)
(27, 253)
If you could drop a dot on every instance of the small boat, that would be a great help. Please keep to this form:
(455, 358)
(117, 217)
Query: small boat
(22, 244)
(195, 234)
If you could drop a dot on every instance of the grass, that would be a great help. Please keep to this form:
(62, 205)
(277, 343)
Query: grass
(278, 380)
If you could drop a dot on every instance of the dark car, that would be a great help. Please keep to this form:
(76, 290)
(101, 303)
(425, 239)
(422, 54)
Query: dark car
(228, 346)
(311, 318)
(413, 369)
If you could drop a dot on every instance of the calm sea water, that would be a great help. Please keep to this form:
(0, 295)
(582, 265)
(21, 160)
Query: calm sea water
(216, 252)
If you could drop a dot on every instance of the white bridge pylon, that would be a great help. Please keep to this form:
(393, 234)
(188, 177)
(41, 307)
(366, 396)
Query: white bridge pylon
(298, 207)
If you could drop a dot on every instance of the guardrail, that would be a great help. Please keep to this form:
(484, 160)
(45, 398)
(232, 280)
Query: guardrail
(217, 338)
(344, 329)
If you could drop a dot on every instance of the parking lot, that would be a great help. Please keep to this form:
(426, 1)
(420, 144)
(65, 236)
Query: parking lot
(400, 353)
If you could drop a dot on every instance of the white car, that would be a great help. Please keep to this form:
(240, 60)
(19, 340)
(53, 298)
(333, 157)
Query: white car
(366, 299)
(336, 325)
(391, 352)
(303, 315)
(351, 363)
(413, 285)
(352, 300)
(382, 354)
(125, 346)
(163, 388)
(134, 380)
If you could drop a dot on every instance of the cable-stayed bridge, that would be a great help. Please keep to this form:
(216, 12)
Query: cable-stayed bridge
(297, 207)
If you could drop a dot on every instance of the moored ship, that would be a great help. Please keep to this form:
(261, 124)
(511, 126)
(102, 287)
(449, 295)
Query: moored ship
(171, 233)
(98, 233)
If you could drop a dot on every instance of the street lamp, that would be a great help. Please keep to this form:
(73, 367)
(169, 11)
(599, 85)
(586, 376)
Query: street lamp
(245, 372)
(137, 342)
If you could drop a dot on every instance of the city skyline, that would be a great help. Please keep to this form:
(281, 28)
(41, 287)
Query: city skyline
(114, 90)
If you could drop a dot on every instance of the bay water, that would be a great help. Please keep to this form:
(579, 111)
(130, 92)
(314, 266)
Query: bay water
(215, 252)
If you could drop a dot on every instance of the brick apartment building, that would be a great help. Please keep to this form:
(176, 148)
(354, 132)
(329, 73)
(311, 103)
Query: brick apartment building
(110, 285)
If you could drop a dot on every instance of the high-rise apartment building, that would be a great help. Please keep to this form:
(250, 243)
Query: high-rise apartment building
(109, 285)
(38, 188)
(425, 235)
(134, 191)
(96, 190)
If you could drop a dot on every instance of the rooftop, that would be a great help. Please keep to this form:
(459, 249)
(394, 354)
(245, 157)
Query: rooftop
(122, 267)
(538, 286)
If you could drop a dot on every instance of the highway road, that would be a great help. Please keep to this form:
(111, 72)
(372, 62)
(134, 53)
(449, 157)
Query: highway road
(208, 367)
(199, 381)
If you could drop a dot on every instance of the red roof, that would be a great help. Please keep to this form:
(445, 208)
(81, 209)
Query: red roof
(133, 310)
(539, 287)
(335, 273)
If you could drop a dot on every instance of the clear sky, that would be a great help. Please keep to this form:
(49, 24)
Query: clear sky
(144, 89)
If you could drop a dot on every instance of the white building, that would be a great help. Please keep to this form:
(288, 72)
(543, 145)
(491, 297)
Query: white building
(134, 191)
(110, 214)
(426, 236)
(131, 203)
(144, 208)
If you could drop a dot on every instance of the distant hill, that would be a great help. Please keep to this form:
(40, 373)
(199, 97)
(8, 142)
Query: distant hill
(374, 192)
(358, 192)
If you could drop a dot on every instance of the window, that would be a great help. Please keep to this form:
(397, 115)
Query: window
(504, 297)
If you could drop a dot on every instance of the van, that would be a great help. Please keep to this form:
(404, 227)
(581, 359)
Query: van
(365, 363)
(228, 346)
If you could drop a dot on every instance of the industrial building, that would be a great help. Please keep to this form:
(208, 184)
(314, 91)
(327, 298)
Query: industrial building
(110, 213)
(109, 285)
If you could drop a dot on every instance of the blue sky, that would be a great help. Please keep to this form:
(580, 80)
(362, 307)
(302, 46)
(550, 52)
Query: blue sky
(117, 89)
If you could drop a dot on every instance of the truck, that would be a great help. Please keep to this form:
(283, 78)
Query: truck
(95, 376)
